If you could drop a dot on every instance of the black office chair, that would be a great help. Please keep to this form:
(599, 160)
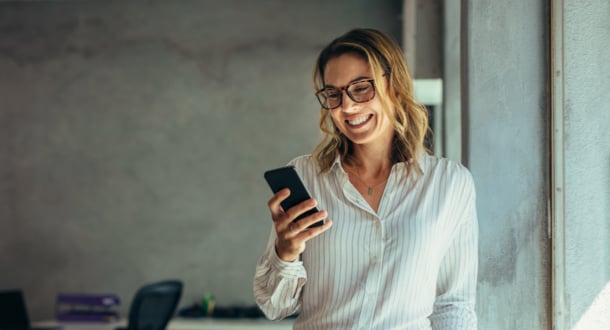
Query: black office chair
(154, 305)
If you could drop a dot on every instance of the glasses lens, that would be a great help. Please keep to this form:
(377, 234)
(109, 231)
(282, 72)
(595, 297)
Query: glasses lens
(329, 98)
(361, 91)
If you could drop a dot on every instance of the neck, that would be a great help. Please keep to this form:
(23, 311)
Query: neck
(371, 162)
(370, 168)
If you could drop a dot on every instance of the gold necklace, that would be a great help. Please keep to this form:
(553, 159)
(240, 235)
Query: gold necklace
(370, 188)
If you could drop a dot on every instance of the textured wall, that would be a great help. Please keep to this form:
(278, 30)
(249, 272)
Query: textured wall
(429, 39)
(587, 163)
(452, 120)
(507, 151)
(134, 136)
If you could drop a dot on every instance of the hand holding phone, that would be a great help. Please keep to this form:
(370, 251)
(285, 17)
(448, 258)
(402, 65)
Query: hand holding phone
(287, 177)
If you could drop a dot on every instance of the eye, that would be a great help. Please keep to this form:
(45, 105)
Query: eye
(360, 88)
(332, 94)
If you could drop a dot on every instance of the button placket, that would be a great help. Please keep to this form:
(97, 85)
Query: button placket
(373, 280)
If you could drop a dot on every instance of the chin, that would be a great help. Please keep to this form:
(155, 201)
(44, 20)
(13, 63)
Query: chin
(361, 140)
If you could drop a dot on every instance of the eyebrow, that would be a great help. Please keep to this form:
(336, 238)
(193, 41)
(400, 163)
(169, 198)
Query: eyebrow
(351, 81)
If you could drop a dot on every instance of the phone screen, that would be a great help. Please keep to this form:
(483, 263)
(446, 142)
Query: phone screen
(287, 177)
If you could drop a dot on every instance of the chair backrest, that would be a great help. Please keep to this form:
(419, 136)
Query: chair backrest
(154, 305)
(13, 312)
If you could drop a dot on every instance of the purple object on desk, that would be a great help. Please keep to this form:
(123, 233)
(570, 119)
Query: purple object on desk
(86, 307)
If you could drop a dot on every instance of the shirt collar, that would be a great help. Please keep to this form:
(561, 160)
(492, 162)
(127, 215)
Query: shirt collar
(423, 157)
(336, 164)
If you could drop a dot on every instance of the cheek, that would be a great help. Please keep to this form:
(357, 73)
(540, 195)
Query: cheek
(334, 120)
(337, 125)
(329, 121)
(387, 115)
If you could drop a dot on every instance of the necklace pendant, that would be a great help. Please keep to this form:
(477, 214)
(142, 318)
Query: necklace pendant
(370, 191)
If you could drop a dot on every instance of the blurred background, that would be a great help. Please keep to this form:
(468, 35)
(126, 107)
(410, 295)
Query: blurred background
(134, 136)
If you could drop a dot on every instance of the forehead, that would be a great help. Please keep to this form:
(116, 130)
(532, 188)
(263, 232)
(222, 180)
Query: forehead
(345, 68)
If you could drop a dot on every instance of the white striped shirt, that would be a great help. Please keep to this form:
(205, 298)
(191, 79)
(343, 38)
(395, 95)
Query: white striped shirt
(411, 265)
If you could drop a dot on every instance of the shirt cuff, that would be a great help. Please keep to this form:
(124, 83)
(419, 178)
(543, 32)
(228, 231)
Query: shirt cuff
(287, 269)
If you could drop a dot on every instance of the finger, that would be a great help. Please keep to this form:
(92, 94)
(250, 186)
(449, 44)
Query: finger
(309, 220)
(311, 232)
(301, 208)
(274, 202)
(288, 234)
(293, 231)
(313, 218)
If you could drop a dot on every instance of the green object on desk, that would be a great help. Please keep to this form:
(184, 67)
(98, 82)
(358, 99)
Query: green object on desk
(207, 304)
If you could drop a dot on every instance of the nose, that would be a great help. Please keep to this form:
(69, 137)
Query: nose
(347, 103)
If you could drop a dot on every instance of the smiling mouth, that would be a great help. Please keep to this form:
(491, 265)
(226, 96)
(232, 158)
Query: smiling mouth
(359, 121)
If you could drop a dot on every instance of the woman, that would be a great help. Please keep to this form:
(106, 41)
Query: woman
(401, 249)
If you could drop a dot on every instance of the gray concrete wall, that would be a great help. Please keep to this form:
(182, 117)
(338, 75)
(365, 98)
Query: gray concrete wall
(134, 136)
(506, 147)
(586, 116)
(429, 39)
(452, 113)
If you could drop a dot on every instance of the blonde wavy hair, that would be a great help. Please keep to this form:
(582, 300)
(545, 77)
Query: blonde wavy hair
(387, 62)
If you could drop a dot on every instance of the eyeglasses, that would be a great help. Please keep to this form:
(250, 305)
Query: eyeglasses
(359, 91)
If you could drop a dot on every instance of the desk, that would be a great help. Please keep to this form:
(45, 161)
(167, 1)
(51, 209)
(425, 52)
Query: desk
(182, 324)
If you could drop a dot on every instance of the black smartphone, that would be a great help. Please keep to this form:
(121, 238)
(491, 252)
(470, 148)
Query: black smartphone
(287, 177)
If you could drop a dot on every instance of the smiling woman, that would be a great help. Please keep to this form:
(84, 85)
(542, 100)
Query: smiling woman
(399, 248)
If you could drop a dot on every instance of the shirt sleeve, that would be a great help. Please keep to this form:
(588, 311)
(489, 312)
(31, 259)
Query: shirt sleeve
(278, 284)
(454, 307)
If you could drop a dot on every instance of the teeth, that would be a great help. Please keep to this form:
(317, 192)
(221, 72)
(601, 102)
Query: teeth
(358, 121)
